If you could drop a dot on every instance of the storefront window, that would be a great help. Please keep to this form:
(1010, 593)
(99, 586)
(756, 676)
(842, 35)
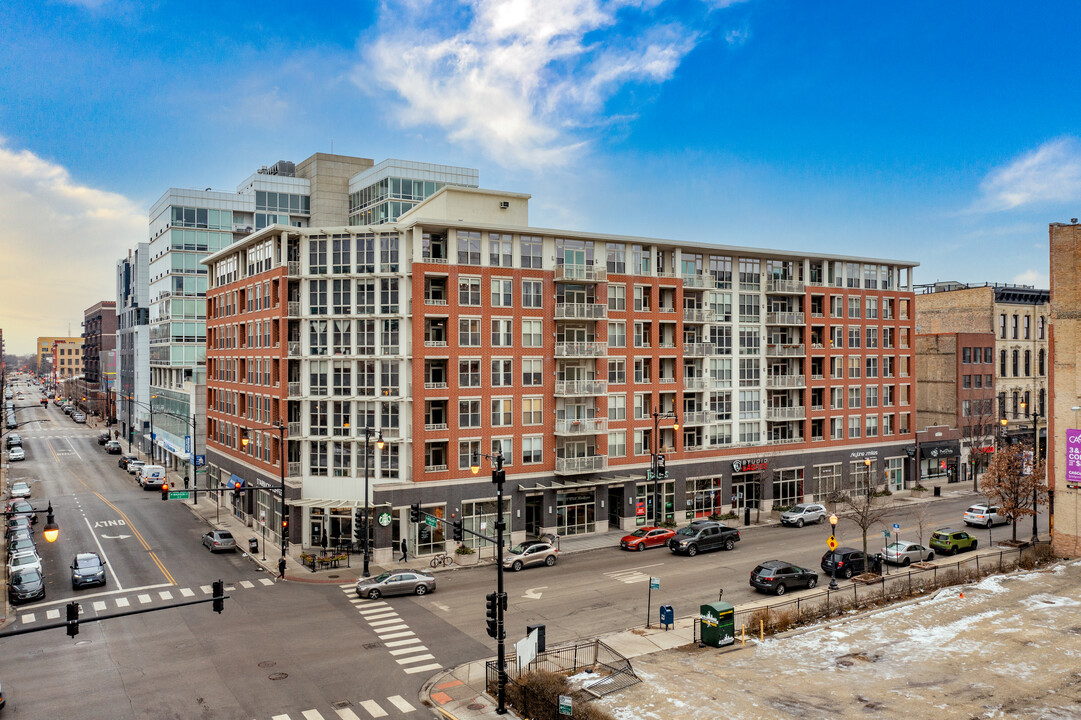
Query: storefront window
(788, 487)
(895, 476)
(827, 481)
(430, 540)
(644, 514)
(706, 497)
(575, 513)
(480, 517)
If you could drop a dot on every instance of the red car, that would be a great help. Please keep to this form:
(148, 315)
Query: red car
(646, 537)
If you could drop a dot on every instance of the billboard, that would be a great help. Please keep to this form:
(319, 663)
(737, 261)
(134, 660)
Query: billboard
(1073, 457)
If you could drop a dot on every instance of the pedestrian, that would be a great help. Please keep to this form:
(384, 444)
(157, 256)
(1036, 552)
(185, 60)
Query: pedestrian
(405, 551)
(281, 568)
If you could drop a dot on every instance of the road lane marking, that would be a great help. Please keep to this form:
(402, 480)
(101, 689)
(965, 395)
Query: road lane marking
(399, 702)
(185, 592)
(280, 717)
(166, 595)
(52, 614)
(138, 535)
(105, 593)
(108, 565)
(266, 581)
(144, 599)
(312, 715)
(534, 593)
(423, 668)
(99, 605)
(247, 584)
(379, 631)
(384, 622)
(348, 586)
(122, 602)
(206, 589)
(399, 651)
(29, 618)
(346, 714)
(396, 643)
(407, 633)
(373, 708)
(418, 658)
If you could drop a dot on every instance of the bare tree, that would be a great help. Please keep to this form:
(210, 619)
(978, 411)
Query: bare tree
(921, 516)
(1007, 484)
(977, 435)
(865, 509)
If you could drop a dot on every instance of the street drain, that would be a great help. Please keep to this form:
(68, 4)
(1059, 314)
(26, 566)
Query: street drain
(341, 704)
(277, 676)
(267, 664)
(372, 646)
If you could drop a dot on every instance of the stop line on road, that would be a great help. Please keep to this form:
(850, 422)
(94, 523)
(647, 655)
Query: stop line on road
(630, 576)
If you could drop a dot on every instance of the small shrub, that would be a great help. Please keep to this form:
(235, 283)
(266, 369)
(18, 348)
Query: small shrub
(463, 550)
(668, 524)
(536, 695)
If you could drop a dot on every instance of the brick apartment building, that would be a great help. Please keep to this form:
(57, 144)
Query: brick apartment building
(99, 340)
(770, 377)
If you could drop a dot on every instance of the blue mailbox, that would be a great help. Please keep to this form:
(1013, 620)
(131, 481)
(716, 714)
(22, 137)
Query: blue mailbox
(667, 616)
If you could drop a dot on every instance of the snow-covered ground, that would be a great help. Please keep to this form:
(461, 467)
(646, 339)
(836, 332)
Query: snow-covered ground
(1009, 648)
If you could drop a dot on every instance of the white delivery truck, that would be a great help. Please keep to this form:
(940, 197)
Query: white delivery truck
(151, 477)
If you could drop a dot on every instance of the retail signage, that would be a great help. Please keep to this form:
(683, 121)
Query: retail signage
(1073, 457)
(640, 508)
(745, 466)
(863, 453)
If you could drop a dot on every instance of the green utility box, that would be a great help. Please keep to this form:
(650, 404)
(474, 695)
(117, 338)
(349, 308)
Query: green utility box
(717, 624)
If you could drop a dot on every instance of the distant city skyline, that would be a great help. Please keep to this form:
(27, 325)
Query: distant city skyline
(943, 134)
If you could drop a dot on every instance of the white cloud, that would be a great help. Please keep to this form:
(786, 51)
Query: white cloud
(61, 241)
(515, 78)
(1049, 174)
(1035, 278)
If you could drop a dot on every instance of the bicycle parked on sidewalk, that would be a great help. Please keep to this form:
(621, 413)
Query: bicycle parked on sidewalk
(442, 559)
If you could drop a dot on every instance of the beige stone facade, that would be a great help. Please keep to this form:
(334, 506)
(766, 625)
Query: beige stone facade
(1065, 385)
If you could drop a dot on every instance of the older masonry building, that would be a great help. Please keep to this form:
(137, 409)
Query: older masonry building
(764, 377)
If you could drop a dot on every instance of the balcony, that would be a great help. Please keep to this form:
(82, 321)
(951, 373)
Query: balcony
(434, 427)
(293, 469)
(294, 389)
(585, 426)
(699, 417)
(435, 386)
(578, 465)
(785, 382)
(698, 281)
(572, 388)
(697, 315)
(785, 350)
(294, 348)
(435, 343)
(784, 318)
(791, 287)
(581, 349)
(294, 429)
(292, 268)
(697, 349)
(435, 468)
(695, 383)
(435, 260)
(434, 301)
(667, 380)
(580, 273)
(781, 414)
(581, 311)
(786, 441)
(292, 308)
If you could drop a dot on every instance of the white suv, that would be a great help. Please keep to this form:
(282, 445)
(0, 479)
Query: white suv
(985, 516)
(804, 513)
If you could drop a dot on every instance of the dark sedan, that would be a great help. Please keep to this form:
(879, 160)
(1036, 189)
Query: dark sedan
(26, 585)
(777, 576)
(87, 570)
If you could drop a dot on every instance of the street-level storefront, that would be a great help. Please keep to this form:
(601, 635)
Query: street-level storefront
(939, 461)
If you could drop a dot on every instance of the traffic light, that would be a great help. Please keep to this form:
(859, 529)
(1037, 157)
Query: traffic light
(414, 513)
(661, 472)
(219, 595)
(73, 619)
(165, 491)
(458, 531)
(491, 614)
(358, 526)
(499, 476)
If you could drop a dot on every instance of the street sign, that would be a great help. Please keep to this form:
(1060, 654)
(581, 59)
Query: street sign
(182, 495)
(885, 533)
(200, 460)
(431, 521)
(262, 518)
(384, 519)
(187, 443)
(654, 583)
(832, 543)
(565, 705)
(896, 527)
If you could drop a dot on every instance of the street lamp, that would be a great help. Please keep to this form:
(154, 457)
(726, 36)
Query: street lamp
(368, 433)
(657, 461)
(833, 536)
(52, 530)
(1035, 459)
(499, 476)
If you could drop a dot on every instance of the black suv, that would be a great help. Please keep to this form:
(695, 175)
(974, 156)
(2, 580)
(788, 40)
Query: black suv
(848, 561)
(776, 576)
(703, 535)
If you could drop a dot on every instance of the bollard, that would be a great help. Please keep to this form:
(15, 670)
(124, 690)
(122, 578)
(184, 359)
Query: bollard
(743, 633)
(761, 630)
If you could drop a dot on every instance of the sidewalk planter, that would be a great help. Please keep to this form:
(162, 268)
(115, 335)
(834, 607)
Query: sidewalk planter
(465, 558)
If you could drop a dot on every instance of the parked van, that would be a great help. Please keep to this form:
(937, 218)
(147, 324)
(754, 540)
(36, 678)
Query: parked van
(151, 477)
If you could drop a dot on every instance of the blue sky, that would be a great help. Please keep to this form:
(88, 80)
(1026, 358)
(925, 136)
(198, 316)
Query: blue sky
(941, 132)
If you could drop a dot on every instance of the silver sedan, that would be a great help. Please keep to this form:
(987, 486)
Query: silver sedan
(398, 582)
(904, 553)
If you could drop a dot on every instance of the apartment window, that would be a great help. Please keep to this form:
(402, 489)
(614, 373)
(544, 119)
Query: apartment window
(617, 372)
(388, 337)
(469, 413)
(317, 297)
(467, 450)
(853, 397)
(1040, 363)
(720, 371)
(468, 373)
(966, 381)
(532, 450)
(721, 305)
(616, 257)
(1040, 329)
(872, 337)
(617, 297)
(617, 335)
(1028, 327)
(837, 428)
(720, 404)
(749, 432)
(872, 367)
(502, 372)
(966, 409)
(1002, 326)
(854, 307)
(502, 293)
(853, 367)
(317, 257)
(500, 252)
(720, 336)
(365, 337)
(1013, 326)
(318, 457)
(642, 298)
(642, 407)
(365, 296)
(749, 372)
(617, 444)
(531, 333)
(855, 426)
(640, 261)
(502, 412)
(1028, 363)
(468, 248)
(532, 411)
(871, 396)
(366, 253)
(749, 308)
(837, 398)
(388, 376)
(872, 308)
(854, 336)
(502, 333)
(1016, 362)
(750, 342)
(343, 379)
(871, 427)
(966, 356)
(531, 371)
(750, 274)
(643, 334)
(837, 336)
(530, 249)
(317, 377)
(468, 332)
(388, 248)
(1002, 363)
(341, 256)
(366, 378)
(504, 447)
(837, 306)
(750, 405)
(642, 370)
(887, 395)
(469, 291)
(617, 407)
(531, 293)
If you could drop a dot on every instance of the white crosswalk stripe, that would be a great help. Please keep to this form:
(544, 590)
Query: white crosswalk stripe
(373, 708)
(266, 581)
(247, 584)
(52, 614)
(166, 595)
(399, 702)
(187, 592)
(408, 650)
(144, 599)
(370, 708)
(347, 714)
(424, 668)
(627, 577)
(402, 643)
(312, 715)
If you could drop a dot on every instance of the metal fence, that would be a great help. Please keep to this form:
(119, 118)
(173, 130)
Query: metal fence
(568, 659)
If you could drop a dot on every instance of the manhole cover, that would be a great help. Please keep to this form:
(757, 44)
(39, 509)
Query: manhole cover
(341, 705)
(476, 706)
(277, 676)
(372, 646)
(267, 664)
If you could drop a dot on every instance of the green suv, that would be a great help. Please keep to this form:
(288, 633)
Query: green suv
(949, 541)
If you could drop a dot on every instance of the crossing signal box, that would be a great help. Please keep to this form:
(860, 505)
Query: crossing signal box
(219, 595)
(414, 513)
(73, 619)
(165, 491)
(459, 531)
(491, 613)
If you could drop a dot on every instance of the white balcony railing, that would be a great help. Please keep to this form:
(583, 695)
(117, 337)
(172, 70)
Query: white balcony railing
(585, 426)
(699, 417)
(780, 414)
(435, 343)
(434, 301)
(581, 273)
(697, 349)
(581, 311)
(784, 318)
(574, 466)
(294, 429)
(294, 389)
(434, 427)
(292, 268)
(697, 315)
(785, 351)
(294, 348)
(292, 469)
(698, 280)
(293, 308)
(435, 386)
(435, 468)
(581, 349)
(568, 388)
(782, 382)
(785, 286)
(695, 383)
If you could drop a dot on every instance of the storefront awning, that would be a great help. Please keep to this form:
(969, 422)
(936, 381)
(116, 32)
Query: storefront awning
(327, 503)
(589, 482)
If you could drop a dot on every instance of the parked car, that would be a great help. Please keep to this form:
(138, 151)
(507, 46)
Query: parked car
(848, 562)
(804, 514)
(702, 536)
(122, 463)
(16, 453)
(25, 560)
(219, 541)
(78, 417)
(20, 507)
(22, 544)
(776, 576)
(534, 552)
(133, 466)
(19, 533)
(646, 537)
(397, 582)
(904, 553)
(26, 585)
(113, 448)
(20, 489)
(13, 440)
(984, 515)
(104, 437)
(86, 570)
(16, 522)
(949, 541)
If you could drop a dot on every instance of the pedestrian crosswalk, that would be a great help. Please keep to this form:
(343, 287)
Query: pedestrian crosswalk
(104, 601)
(392, 706)
(628, 577)
(405, 648)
